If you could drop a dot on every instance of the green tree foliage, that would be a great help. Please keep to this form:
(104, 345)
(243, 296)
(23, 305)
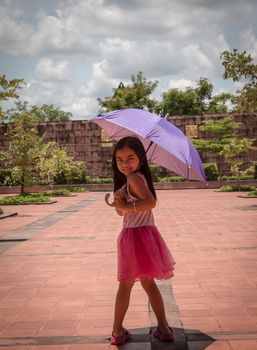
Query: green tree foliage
(239, 67)
(135, 95)
(192, 101)
(29, 159)
(231, 151)
(8, 90)
(50, 113)
(45, 113)
(24, 149)
(222, 141)
(54, 164)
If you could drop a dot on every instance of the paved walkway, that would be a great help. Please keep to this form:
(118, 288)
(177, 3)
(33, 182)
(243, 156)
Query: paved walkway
(58, 274)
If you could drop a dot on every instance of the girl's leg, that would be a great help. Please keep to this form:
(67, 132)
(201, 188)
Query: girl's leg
(121, 306)
(157, 304)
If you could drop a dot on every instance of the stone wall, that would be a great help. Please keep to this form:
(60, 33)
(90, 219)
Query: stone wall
(248, 129)
(83, 140)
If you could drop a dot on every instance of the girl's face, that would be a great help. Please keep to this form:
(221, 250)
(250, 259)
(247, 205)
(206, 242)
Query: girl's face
(127, 160)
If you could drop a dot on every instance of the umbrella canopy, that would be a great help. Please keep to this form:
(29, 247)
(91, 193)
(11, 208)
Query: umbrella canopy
(170, 148)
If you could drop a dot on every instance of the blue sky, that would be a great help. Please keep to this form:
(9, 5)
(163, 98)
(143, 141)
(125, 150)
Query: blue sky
(70, 52)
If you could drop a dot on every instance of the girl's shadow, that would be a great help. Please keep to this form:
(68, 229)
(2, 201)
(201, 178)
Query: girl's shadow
(182, 337)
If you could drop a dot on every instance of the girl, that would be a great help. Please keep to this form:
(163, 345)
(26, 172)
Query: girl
(142, 252)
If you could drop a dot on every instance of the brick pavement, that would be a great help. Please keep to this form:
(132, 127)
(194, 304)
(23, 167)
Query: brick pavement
(58, 275)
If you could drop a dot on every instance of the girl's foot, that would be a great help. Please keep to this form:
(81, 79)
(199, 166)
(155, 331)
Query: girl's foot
(120, 339)
(164, 336)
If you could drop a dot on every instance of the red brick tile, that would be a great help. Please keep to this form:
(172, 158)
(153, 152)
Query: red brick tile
(243, 344)
(217, 345)
(90, 347)
(210, 234)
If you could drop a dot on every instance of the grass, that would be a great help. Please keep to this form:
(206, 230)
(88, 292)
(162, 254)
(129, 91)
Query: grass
(24, 198)
(39, 197)
(172, 179)
(237, 188)
(62, 192)
(98, 180)
(253, 193)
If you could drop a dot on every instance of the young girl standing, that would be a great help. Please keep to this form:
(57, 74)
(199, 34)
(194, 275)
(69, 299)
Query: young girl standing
(142, 252)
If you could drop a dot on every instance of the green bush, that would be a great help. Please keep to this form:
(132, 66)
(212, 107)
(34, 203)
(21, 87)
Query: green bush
(76, 189)
(59, 192)
(97, 180)
(234, 178)
(1, 211)
(5, 176)
(211, 171)
(24, 198)
(255, 171)
(78, 176)
(172, 179)
(237, 188)
(253, 193)
(155, 171)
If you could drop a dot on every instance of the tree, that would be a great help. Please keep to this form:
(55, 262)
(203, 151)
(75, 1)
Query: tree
(45, 113)
(239, 67)
(24, 149)
(218, 103)
(222, 140)
(135, 95)
(8, 90)
(192, 101)
(54, 164)
(50, 113)
(231, 151)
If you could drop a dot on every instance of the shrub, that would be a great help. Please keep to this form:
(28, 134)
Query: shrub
(255, 171)
(155, 171)
(98, 180)
(7, 178)
(59, 192)
(75, 175)
(253, 193)
(232, 178)
(76, 189)
(24, 198)
(211, 171)
(172, 179)
(237, 188)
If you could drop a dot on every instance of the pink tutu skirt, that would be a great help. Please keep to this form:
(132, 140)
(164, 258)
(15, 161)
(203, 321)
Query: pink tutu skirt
(143, 254)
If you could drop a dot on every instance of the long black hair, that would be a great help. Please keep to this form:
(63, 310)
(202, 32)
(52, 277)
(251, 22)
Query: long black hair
(119, 179)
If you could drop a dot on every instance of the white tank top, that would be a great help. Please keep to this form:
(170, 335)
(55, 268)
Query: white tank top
(140, 218)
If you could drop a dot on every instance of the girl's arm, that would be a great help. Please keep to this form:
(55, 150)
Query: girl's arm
(120, 194)
(140, 190)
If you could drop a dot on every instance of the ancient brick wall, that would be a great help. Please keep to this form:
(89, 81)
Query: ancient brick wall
(84, 142)
(247, 129)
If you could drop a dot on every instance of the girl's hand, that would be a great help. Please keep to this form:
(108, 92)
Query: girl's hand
(119, 200)
(120, 193)
(119, 203)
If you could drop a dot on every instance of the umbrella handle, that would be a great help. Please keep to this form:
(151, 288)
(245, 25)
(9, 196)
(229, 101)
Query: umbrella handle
(106, 198)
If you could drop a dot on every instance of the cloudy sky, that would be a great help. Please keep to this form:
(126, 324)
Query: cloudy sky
(72, 51)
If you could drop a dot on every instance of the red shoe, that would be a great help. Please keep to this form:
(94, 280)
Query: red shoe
(164, 336)
(122, 339)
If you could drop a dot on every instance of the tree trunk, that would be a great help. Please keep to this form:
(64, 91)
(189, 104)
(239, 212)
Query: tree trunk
(22, 180)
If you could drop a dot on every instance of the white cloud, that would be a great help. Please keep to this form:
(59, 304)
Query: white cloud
(174, 42)
(14, 31)
(248, 39)
(181, 84)
(49, 70)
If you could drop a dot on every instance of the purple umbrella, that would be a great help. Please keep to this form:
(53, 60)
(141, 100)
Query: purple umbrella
(165, 144)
